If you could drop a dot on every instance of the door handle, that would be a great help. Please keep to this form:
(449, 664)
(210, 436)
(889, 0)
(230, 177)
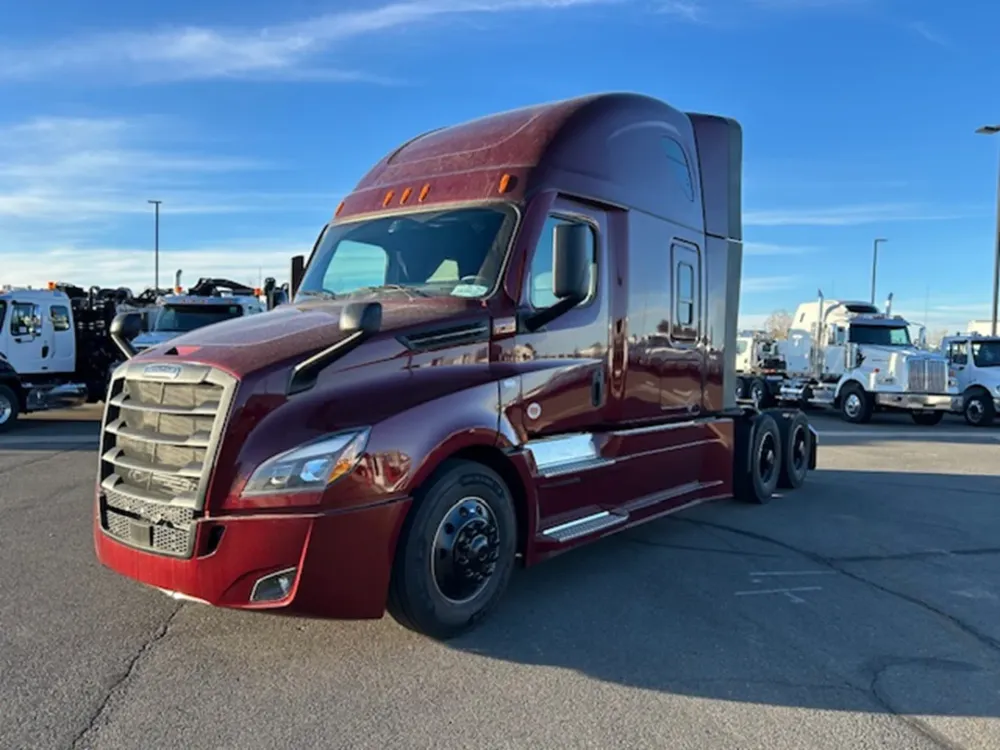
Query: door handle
(597, 388)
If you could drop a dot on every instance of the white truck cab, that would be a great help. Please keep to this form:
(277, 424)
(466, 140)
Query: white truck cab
(855, 358)
(37, 353)
(180, 313)
(975, 362)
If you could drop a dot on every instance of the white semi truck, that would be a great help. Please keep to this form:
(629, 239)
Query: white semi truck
(975, 362)
(760, 368)
(850, 356)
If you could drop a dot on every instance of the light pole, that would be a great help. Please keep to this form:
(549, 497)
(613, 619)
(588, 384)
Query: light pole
(875, 263)
(993, 130)
(156, 245)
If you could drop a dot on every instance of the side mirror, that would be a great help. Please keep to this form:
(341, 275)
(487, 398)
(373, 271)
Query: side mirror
(571, 258)
(361, 316)
(125, 327)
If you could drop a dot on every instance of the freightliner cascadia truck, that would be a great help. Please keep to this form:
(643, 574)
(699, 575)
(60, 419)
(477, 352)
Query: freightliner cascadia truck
(515, 337)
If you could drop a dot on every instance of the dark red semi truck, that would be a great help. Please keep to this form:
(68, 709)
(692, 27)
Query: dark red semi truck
(515, 337)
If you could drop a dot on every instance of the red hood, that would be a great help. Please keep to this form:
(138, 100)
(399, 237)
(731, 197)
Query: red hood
(247, 344)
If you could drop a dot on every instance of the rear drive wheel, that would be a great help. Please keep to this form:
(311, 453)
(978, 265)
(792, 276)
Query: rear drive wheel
(979, 410)
(796, 446)
(741, 387)
(10, 407)
(927, 418)
(758, 465)
(757, 392)
(456, 551)
(855, 405)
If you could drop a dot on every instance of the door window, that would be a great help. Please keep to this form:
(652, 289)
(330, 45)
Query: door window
(959, 353)
(25, 319)
(686, 310)
(60, 317)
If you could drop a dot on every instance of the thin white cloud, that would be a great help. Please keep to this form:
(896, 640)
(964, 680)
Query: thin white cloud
(928, 33)
(71, 171)
(846, 215)
(246, 261)
(279, 51)
(760, 284)
(767, 248)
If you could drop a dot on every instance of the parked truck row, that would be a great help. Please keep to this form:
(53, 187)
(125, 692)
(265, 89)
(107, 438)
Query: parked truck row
(55, 346)
(513, 338)
(852, 357)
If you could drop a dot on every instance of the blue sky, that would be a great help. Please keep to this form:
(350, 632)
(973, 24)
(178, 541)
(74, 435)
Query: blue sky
(250, 119)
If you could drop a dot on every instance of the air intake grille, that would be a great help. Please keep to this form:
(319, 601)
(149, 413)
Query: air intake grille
(928, 376)
(158, 445)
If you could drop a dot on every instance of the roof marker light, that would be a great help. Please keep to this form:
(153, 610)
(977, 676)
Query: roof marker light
(406, 196)
(423, 192)
(505, 183)
(339, 209)
(387, 199)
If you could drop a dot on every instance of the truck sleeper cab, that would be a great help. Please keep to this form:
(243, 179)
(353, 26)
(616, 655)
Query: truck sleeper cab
(515, 337)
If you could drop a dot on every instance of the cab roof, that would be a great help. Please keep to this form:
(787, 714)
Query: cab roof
(625, 149)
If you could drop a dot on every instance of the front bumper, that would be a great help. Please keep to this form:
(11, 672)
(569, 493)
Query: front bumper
(920, 401)
(343, 560)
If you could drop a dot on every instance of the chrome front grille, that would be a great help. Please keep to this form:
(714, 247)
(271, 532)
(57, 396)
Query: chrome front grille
(927, 376)
(159, 441)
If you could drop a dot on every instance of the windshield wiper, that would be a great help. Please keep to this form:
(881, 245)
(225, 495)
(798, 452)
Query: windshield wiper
(321, 293)
(394, 288)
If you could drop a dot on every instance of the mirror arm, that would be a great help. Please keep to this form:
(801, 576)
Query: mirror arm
(533, 321)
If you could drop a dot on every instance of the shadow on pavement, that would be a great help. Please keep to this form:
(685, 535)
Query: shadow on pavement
(865, 591)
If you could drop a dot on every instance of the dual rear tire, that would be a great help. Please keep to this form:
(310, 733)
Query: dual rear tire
(773, 451)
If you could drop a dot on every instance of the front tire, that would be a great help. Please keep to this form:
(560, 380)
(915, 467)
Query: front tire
(456, 551)
(855, 404)
(979, 410)
(10, 407)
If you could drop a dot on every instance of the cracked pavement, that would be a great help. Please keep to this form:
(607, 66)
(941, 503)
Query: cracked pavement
(862, 611)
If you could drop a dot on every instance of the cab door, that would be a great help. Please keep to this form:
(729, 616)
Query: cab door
(29, 350)
(565, 371)
(59, 327)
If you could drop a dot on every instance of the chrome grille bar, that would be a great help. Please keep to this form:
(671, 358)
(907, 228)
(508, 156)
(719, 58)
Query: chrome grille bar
(162, 427)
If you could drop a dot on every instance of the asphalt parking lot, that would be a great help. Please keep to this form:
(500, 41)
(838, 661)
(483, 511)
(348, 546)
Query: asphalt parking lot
(862, 611)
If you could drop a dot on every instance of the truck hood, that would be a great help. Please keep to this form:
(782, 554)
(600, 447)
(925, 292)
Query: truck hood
(255, 342)
(883, 353)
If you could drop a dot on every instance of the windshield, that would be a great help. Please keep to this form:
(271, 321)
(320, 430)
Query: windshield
(880, 335)
(457, 252)
(184, 318)
(986, 353)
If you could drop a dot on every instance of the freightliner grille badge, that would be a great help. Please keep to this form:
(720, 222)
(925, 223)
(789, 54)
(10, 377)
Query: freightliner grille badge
(161, 372)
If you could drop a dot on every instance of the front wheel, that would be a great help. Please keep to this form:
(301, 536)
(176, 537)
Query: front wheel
(979, 410)
(456, 552)
(9, 408)
(927, 418)
(855, 404)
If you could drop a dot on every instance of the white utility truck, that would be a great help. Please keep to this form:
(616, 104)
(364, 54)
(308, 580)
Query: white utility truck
(850, 356)
(55, 348)
(975, 362)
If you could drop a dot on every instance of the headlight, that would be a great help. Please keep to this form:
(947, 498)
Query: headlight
(309, 467)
